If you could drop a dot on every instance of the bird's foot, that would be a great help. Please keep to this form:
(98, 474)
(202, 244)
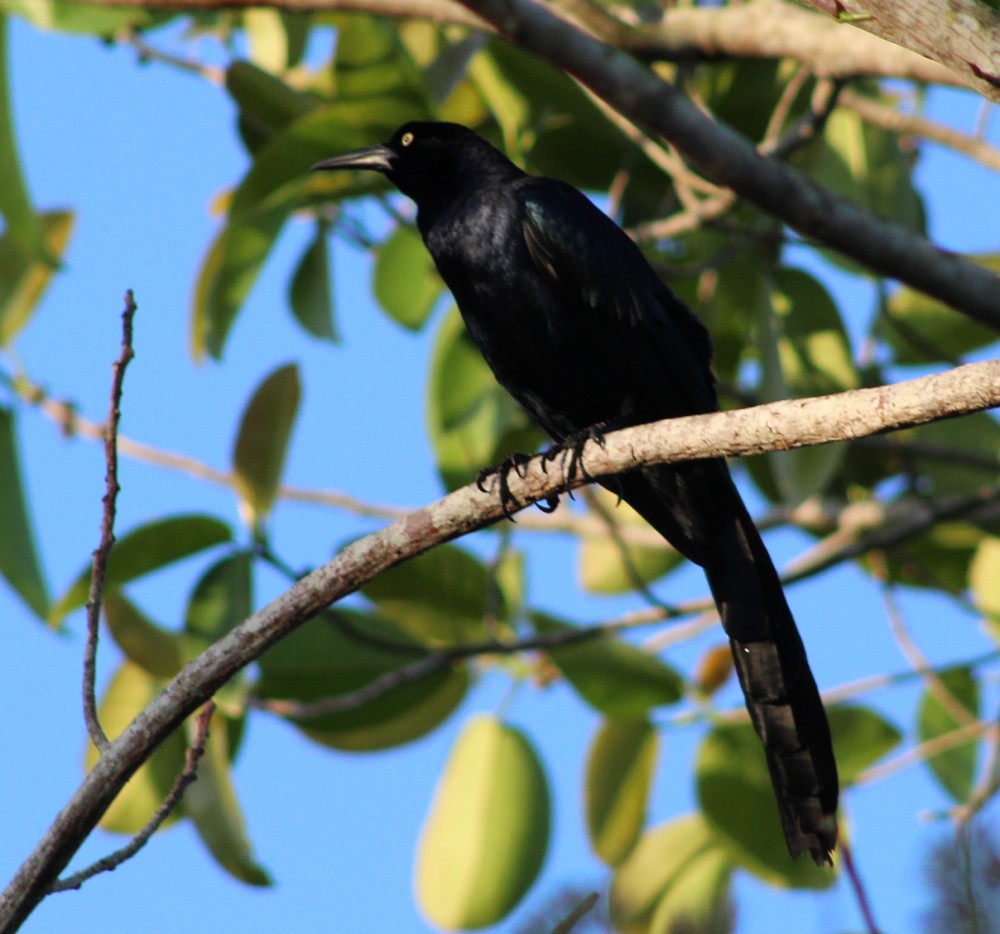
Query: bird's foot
(570, 452)
(496, 478)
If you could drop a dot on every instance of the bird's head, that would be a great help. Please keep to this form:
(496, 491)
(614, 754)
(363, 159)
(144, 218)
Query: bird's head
(424, 159)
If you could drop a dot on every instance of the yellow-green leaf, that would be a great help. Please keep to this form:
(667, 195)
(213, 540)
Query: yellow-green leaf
(129, 691)
(487, 833)
(211, 803)
(156, 650)
(984, 577)
(405, 280)
(23, 280)
(660, 858)
(262, 442)
(620, 767)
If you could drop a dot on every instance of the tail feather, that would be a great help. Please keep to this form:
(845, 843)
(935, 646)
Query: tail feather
(697, 508)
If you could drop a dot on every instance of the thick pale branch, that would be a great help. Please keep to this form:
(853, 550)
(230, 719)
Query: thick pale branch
(777, 426)
(963, 35)
(727, 157)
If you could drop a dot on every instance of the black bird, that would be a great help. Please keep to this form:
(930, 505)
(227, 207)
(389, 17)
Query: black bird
(576, 325)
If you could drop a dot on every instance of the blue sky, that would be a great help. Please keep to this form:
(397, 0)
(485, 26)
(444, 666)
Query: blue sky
(140, 152)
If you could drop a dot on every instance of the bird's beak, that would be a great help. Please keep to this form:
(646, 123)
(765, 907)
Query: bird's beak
(379, 158)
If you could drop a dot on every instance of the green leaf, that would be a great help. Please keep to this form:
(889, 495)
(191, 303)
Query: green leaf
(23, 225)
(265, 33)
(19, 563)
(222, 598)
(699, 899)
(211, 803)
(156, 650)
(439, 597)
(343, 652)
(129, 691)
(275, 186)
(262, 443)
(660, 860)
(860, 738)
(805, 352)
(607, 566)
(865, 164)
(23, 281)
(228, 272)
(954, 768)
(984, 577)
(611, 675)
(74, 17)
(473, 422)
(310, 293)
(921, 329)
(267, 103)
(736, 797)
(620, 767)
(143, 550)
(487, 833)
(406, 282)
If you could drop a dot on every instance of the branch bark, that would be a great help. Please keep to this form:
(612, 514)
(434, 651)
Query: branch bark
(963, 35)
(777, 426)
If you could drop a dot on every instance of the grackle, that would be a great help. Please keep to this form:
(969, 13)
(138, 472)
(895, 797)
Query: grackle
(576, 325)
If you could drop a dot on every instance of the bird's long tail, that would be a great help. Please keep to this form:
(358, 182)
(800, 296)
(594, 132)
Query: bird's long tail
(698, 509)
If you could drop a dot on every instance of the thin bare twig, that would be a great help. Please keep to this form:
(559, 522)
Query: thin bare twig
(190, 773)
(103, 551)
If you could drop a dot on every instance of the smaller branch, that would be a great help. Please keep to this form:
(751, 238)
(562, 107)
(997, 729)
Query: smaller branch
(147, 53)
(889, 118)
(111, 862)
(100, 565)
(919, 662)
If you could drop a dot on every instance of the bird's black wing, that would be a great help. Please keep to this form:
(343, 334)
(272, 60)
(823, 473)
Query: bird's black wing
(615, 295)
(655, 356)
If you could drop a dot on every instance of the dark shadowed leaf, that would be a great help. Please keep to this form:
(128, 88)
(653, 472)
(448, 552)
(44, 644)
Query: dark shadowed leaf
(487, 832)
(156, 650)
(262, 442)
(19, 563)
(343, 652)
(923, 330)
(211, 803)
(613, 676)
(144, 550)
(736, 797)
(438, 597)
(955, 767)
(310, 293)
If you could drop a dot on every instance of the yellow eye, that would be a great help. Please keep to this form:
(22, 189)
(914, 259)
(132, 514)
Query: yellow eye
(407, 139)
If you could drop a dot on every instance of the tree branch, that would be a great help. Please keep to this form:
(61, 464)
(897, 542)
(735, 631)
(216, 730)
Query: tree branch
(724, 155)
(777, 426)
(963, 35)
(107, 540)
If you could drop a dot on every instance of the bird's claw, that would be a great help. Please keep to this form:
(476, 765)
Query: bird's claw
(570, 451)
(491, 478)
